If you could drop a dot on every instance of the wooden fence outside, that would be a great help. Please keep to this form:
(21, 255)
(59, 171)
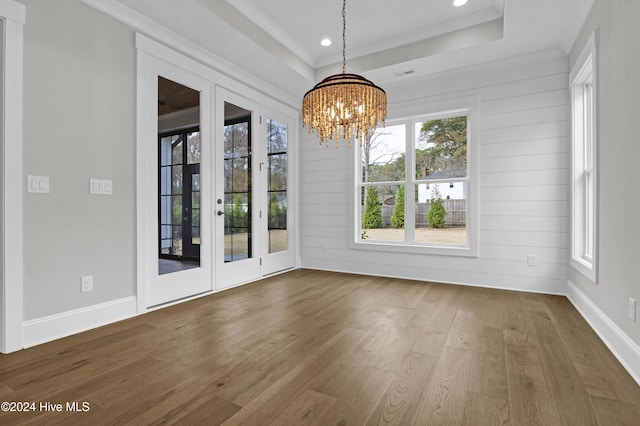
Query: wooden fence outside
(456, 213)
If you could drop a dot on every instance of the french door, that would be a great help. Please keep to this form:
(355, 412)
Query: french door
(176, 187)
(214, 184)
(253, 218)
(278, 201)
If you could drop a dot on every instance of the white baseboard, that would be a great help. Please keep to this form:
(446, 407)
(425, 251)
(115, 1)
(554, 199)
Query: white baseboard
(623, 348)
(46, 329)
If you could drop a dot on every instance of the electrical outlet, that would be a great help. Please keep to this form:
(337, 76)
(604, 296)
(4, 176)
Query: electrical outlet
(87, 284)
(531, 260)
(632, 308)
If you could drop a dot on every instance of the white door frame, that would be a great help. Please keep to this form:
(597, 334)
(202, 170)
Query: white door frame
(230, 274)
(155, 289)
(11, 311)
(280, 261)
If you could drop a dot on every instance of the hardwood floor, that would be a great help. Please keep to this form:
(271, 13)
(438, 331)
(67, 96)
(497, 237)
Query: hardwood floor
(311, 347)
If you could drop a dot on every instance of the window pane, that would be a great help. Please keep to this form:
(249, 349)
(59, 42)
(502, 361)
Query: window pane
(277, 172)
(383, 158)
(240, 176)
(193, 148)
(277, 186)
(165, 149)
(176, 152)
(441, 213)
(441, 148)
(176, 209)
(165, 180)
(165, 211)
(176, 180)
(383, 213)
(195, 182)
(276, 137)
(195, 235)
(236, 140)
(176, 244)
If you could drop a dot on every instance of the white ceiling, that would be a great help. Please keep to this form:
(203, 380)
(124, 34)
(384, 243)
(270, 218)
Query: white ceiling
(387, 40)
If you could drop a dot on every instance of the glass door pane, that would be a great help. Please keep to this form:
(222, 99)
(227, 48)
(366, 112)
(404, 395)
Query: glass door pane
(277, 186)
(237, 184)
(179, 200)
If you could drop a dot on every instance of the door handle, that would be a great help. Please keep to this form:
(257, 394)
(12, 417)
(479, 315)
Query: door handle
(220, 212)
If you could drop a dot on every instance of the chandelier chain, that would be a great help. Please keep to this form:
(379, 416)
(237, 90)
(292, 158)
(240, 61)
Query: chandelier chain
(344, 106)
(344, 36)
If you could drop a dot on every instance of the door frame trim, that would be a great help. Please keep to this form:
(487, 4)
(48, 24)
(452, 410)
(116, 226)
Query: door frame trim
(12, 309)
(154, 289)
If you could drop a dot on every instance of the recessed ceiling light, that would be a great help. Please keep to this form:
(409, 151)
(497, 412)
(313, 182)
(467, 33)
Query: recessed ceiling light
(325, 42)
(459, 2)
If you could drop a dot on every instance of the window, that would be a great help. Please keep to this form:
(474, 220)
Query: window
(277, 186)
(416, 186)
(584, 182)
(179, 195)
(237, 189)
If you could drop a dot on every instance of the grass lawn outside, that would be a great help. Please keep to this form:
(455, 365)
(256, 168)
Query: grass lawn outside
(453, 235)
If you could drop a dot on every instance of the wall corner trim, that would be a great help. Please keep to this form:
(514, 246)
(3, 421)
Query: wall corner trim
(624, 349)
(46, 329)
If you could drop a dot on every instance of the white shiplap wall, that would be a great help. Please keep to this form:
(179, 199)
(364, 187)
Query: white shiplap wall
(523, 182)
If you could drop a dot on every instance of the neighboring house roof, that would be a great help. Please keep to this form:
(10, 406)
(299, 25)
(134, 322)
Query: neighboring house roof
(448, 174)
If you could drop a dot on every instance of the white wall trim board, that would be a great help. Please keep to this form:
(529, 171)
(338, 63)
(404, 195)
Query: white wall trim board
(46, 329)
(620, 344)
(10, 9)
(13, 14)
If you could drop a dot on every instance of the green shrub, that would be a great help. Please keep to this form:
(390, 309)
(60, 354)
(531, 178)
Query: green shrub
(437, 214)
(372, 216)
(397, 217)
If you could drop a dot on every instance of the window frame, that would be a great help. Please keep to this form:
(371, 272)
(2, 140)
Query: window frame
(409, 113)
(584, 156)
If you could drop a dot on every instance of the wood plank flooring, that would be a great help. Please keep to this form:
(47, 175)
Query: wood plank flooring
(323, 348)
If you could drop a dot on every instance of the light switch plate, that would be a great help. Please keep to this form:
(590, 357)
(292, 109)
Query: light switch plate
(38, 184)
(100, 186)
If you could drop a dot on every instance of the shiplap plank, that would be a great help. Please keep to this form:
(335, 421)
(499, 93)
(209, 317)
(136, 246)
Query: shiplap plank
(525, 132)
(543, 254)
(525, 223)
(534, 116)
(527, 239)
(528, 193)
(520, 148)
(529, 162)
(524, 208)
(524, 177)
(552, 97)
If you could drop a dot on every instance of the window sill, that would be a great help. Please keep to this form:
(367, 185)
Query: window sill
(402, 247)
(585, 268)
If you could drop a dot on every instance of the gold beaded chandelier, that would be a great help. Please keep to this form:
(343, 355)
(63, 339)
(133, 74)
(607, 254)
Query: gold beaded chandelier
(344, 105)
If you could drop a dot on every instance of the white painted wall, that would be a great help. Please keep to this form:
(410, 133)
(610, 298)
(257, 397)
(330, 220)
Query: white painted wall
(79, 123)
(619, 153)
(523, 188)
